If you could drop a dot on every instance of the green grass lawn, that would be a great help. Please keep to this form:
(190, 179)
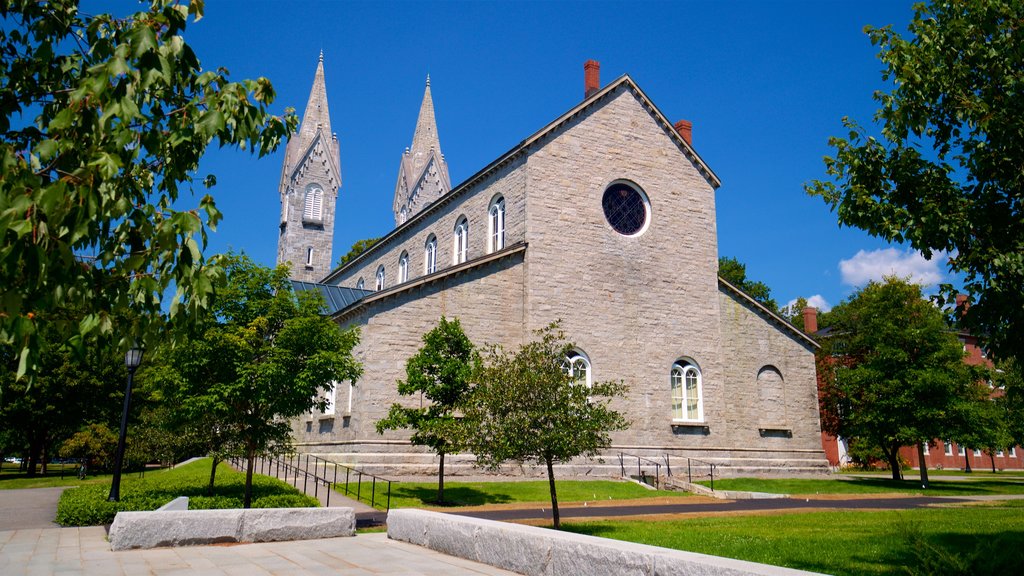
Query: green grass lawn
(423, 494)
(987, 540)
(87, 505)
(12, 478)
(975, 472)
(856, 485)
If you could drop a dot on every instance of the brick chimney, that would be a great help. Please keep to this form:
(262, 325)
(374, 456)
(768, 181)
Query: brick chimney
(962, 304)
(685, 129)
(591, 78)
(810, 320)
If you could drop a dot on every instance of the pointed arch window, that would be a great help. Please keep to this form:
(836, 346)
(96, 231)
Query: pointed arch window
(461, 241)
(360, 284)
(380, 277)
(430, 255)
(403, 267)
(687, 402)
(496, 224)
(313, 208)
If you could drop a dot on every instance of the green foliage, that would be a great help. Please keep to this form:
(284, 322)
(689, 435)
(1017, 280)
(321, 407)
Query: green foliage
(88, 506)
(1009, 377)
(986, 485)
(270, 356)
(734, 272)
(995, 556)
(441, 372)
(357, 249)
(795, 312)
(421, 494)
(103, 121)
(528, 407)
(945, 173)
(95, 444)
(892, 374)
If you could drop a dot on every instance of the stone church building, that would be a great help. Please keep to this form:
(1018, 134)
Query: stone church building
(605, 219)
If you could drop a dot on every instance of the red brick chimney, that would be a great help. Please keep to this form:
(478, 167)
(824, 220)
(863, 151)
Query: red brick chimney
(810, 320)
(685, 129)
(962, 304)
(591, 78)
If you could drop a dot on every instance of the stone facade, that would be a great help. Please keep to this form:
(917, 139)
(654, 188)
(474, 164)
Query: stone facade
(634, 305)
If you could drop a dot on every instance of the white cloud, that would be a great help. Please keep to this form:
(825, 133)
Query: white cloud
(874, 265)
(817, 301)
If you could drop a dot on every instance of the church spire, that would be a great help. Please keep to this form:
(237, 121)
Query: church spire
(423, 172)
(316, 116)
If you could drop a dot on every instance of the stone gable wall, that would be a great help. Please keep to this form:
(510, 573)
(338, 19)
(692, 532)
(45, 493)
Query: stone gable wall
(295, 236)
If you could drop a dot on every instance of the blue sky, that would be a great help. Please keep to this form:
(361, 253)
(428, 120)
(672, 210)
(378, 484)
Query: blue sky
(764, 83)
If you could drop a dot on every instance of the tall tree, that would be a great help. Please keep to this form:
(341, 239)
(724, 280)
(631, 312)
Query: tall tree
(945, 173)
(528, 406)
(441, 372)
(735, 272)
(270, 357)
(892, 373)
(1009, 379)
(103, 121)
(358, 248)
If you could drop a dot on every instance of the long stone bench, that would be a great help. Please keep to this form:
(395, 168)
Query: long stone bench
(132, 530)
(539, 551)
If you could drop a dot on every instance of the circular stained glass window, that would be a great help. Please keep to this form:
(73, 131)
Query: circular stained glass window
(626, 209)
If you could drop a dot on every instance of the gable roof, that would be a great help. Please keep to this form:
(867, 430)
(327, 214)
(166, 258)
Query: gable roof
(598, 97)
(772, 316)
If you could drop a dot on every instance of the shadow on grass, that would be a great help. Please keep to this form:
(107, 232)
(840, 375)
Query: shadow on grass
(455, 496)
(942, 487)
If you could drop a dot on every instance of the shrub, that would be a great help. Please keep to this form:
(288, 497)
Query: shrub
(88, 506)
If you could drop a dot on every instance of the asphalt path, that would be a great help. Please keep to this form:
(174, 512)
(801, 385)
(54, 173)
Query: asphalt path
(29, 508)
(710, 507)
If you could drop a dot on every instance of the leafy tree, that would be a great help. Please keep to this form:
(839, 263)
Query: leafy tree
(94, 445)
(1009, 378)
(103, 121)
(357, 249)
(440, 372)
(269, 357)
(892, 373)
(795, 312)
(945, 172)
(528, 407)
(734, 272)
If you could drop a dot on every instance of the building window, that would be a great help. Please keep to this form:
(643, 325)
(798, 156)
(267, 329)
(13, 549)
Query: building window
(309, 256)
(626, 208)
(403, 216)
(430, 255)
(461, 244)
(960, 450)
(403, 267)
(577, 365)
(329, 398)
(925, 448)
(949, 448)
(496, 225)
(380, 277)
(313, 209)
(1013, 452)
(977, 452)
(687, 403)
(999, 453)
(361, 284)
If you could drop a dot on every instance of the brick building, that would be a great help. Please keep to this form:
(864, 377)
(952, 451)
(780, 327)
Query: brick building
(604, 219)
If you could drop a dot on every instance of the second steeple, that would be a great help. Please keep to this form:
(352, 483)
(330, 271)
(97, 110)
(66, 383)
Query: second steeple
(422, 172)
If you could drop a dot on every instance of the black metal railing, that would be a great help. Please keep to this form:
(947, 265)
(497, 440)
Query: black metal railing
(288, 469)
(641, 464)
(699, 469)
(359, 474)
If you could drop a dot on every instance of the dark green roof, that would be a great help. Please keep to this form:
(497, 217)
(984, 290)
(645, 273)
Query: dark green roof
(337, 298)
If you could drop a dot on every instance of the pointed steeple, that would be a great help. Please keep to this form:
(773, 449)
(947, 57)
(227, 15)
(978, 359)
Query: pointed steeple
(423, 172)
(316, 116)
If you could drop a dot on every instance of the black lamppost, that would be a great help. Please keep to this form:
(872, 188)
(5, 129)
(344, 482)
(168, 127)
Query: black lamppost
(132, 359)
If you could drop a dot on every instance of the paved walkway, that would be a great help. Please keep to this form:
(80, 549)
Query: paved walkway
(29, 508)
(86, 551)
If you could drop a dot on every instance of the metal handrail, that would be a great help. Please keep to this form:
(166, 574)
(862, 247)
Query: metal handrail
(359, 480)
(639, 471)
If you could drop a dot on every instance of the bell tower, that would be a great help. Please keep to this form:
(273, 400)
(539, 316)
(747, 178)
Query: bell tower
(422, 172)
(310, 180)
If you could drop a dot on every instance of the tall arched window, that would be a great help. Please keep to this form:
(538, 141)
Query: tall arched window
(403, 215)
(578, 366)
(360, 284)
(461, 244)
(687, 403)
(380, 277)
(430, 255)
(313, 209)
(496, 224)
(403, 267)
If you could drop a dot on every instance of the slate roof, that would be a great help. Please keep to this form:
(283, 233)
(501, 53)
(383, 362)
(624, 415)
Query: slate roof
(336, 297)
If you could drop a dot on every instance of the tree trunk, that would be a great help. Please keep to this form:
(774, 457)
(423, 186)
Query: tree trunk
(967, 461)
(893, 455)
(45, 457)
(554, 496)
(923, 465)
(440, 479)
(33, 456)
(992, 458)
(213, 475)
(250, 461)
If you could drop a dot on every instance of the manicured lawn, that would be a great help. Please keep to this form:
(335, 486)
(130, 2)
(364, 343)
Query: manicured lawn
(88, 506)
(853, 485)
(424, 494)
(13, 478)
(976, 471)
(988, 540)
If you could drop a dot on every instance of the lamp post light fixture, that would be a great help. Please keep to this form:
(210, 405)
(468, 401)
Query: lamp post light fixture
(132, 359)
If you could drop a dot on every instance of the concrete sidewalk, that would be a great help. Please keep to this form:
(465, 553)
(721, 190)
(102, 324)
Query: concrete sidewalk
(86, 551)
(29, 508)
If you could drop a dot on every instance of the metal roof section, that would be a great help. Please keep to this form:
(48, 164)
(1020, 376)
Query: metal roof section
(771, 315)
(336, 298)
